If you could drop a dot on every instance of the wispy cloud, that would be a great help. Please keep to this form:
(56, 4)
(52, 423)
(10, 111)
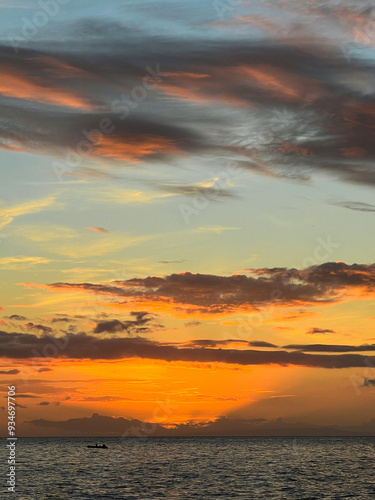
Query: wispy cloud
(15, 83)
(215, 229)
(9, 213)
(40, 233)
(98, 229)
(68, 242)
(130, 196)
(21, 263)
(112, 243)
(356, 205)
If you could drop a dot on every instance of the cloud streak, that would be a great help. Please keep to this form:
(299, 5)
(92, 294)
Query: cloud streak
(21, 263)
(140, 325)
(9, 213)
(83, 346)
(319, 331)
(356, 206)
(368, 382)
(98, 229)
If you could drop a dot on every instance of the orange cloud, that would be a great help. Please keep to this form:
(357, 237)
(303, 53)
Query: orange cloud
(98, 229)
(222, 85)
(201, 88)
(23, 305)
(15, 84)
(55, 66)
(288, 147)
(291, 87)
(259, 21)
(354, 152)
(243, 22)
(135, 149)
(185, 74)
(13, 147)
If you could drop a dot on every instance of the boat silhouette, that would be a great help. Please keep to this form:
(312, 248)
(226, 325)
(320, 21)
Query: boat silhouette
(100, 446)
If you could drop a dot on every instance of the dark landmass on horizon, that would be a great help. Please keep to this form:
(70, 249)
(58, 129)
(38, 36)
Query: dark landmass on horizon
(106, 426)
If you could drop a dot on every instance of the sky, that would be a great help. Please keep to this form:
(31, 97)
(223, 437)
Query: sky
(186, 216)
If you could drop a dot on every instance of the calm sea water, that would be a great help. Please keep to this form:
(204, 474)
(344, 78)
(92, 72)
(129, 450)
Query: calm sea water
(196, 468)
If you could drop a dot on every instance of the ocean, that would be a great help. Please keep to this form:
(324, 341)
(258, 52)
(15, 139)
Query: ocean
(195, 468)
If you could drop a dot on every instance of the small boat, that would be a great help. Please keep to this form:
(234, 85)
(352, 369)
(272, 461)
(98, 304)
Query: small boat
(100, 446)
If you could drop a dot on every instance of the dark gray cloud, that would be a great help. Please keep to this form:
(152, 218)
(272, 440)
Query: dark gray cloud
(140, 325)
(213, 343)
(73, 93)
(330, 348)
(99, 425)
(10, 372)
(210, 193)
(330, 275)
(261, 343)
(208, 293)
(26, 396)
(61, 320)
(16, 317)
(319, 331)
(217, 294)
(356, 205)
(193, 323)
(83, 346)
(41, 328)
(369, 382)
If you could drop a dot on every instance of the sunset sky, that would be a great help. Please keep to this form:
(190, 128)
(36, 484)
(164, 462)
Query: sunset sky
(187, 213)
